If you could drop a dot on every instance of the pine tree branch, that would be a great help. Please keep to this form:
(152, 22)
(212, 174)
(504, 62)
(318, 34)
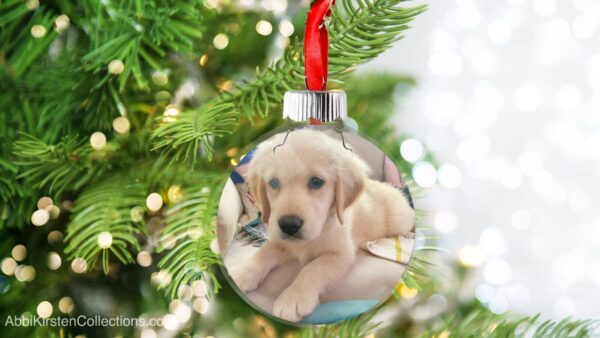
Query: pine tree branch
(366, 28)
(67, 165)
(482, 323)
(190, 224)
(106, 206)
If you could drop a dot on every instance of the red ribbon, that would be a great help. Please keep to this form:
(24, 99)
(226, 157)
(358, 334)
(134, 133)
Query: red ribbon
(316, 45)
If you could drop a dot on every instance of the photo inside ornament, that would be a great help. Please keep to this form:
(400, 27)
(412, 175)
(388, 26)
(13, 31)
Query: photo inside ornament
(315, 226)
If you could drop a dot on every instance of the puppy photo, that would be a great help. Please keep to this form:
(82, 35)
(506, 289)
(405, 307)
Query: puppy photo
(319, 207)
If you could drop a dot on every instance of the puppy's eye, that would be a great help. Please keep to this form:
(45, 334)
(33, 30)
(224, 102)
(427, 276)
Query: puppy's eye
(315, 182)
(274, 183)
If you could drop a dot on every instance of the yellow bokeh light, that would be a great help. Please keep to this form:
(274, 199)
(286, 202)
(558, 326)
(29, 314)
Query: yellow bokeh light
(44, 309)
(53, 261)
(40, 217)
(154, 201)
(19, 252)
(221, 41)
(264, 27)
(144, 258)
(407, 292)
(66, 305)
(38, 31)
(121, 125)
(8, 266)
(203, 60)
(201, 305)
(116, 67)
(105, 240)
(98, 140)
(45, 203)
(79, 265)
(61, 23)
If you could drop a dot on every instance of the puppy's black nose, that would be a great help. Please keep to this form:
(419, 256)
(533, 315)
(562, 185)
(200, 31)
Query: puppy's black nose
(290, 224)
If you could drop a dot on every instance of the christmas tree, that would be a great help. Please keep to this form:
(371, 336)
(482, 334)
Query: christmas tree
(120, 121)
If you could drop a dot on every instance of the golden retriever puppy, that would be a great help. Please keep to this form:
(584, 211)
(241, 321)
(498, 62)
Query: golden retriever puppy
(319, 205)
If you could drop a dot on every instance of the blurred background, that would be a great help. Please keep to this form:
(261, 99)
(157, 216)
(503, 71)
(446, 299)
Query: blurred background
(508, 100)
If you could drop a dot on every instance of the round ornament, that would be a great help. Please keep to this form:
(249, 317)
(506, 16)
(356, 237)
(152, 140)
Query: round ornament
(315, 224)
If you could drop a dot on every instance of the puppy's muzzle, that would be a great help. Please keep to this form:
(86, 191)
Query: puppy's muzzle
(290, 224)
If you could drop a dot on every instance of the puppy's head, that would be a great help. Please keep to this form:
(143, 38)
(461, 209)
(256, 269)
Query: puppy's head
(306, 180)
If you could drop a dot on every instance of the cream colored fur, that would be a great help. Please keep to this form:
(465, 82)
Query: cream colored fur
(347, 210)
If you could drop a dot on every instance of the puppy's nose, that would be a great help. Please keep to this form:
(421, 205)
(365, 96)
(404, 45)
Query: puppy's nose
(290, 224)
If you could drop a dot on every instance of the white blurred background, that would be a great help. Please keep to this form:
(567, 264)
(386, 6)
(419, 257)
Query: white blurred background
(508, 99)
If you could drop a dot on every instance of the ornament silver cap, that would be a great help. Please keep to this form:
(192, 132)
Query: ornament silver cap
(325, 106)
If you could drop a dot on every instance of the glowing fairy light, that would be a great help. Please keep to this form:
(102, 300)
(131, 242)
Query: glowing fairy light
(116, 67)
(154, 201)
(98, 140)
(105, 240)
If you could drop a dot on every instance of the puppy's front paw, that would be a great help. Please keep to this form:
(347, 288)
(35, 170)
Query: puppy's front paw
(293, 305)
(245, 277)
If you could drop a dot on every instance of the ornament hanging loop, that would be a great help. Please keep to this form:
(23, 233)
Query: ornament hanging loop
(316, 45)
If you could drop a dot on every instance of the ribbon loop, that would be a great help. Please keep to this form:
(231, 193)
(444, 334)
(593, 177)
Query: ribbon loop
(316, 45)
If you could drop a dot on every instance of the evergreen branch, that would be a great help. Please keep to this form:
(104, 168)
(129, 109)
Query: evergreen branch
(366, 28)
(190, 223)
(481, 323)
(357, 327)
(68, 165)
(141, 33)
(106, 206)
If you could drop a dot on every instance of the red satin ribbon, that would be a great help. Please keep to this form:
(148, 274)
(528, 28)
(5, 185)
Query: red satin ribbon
(316, 45)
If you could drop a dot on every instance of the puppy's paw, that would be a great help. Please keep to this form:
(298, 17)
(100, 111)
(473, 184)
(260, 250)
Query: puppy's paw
(293, 305)
(245, 276)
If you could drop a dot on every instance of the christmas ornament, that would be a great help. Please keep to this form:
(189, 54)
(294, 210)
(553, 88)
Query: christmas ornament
(315, 224)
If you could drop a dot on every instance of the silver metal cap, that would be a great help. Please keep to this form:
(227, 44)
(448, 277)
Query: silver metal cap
(323, 106)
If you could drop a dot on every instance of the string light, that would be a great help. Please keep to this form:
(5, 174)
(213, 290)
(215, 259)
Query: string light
(98, 140)
(19, 252)
(160, 78)
(55, 237)
(45, 202)
(44, 309)
(175, 194)
(286, 28)
(66, 305)
(201, 305)
(38, 31)
(61, 23)
(32, 4)
(264, 27)
(144, 258)
(221, 41)
(121, 125)
(40, 217)
(8, 266)
(116, 67)
(79, 265)
(53, 261)
(171, 110)
(407, 292)
(105, 240)
(54, 212)
(170, 322)
(25, 273)
(200, 288)
(137, 214)
(203, 60)
(154, 201)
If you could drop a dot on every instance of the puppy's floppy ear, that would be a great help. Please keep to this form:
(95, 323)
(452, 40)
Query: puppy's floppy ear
(349, 185)
(259, 192)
